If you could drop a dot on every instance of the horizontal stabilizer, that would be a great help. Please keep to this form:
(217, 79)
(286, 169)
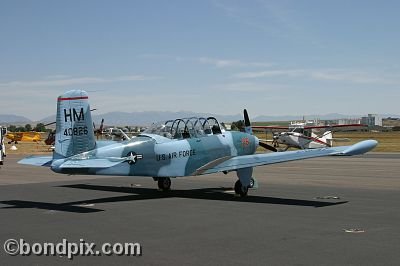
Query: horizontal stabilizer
(92, 163)
(37, 160)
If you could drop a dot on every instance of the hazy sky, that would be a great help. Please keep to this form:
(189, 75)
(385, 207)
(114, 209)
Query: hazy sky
(272, 57)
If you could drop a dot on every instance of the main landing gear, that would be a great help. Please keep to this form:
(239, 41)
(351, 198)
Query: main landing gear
(164, 183)
(240, 189)
(245, 181)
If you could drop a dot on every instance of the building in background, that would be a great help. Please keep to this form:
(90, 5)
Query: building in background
(342, 121)
(391, 122)
(372, 120)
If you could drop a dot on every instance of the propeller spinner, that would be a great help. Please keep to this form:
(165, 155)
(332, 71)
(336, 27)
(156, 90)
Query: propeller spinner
(248, 129)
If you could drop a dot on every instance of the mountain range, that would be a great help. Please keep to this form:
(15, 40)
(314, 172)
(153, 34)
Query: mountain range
(146, 118)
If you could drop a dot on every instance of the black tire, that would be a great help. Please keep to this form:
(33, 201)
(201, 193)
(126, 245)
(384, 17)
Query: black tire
(1, 162)
(240, 189)
(164, 183)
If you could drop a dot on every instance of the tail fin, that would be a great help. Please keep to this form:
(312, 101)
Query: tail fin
(74, 129)
(327, 137)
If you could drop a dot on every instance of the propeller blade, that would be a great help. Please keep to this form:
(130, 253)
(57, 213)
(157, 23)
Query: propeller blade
(267, 146)
(247, 125)
(246, 118)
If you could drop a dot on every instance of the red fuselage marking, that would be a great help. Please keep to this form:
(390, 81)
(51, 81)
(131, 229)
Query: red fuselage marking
(73, 98)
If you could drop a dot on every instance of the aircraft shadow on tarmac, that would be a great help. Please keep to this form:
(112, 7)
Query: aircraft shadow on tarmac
(137, 193)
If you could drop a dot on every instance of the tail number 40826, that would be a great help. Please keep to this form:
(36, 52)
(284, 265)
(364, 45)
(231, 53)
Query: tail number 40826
(76, 131)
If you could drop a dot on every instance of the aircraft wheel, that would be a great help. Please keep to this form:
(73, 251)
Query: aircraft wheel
(164, 183)
(240, 189)
(251, 183)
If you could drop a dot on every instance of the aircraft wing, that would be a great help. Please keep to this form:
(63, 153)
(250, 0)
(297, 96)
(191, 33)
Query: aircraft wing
(269, 127)
(336, 126)
(310, 127)
(37, 160)
(253, 160)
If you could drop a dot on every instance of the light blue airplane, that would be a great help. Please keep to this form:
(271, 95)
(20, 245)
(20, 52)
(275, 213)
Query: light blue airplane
(175, 148)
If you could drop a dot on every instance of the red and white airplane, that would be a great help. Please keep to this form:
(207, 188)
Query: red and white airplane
(301, 135)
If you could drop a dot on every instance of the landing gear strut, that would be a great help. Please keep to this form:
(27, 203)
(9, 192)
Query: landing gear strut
(240, 189)
(164, 183)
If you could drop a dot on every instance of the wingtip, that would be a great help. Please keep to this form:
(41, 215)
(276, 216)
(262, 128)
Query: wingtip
(361, 147)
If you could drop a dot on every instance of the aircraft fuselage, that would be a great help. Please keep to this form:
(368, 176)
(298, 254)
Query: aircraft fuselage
(300, 141)
(156, 156)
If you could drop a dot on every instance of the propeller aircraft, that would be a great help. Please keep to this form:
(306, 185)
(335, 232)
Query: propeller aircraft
(301, 135)
(174, 148)
(30, 136)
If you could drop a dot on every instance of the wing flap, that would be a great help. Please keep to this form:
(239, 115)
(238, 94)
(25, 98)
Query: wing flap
(211, 164)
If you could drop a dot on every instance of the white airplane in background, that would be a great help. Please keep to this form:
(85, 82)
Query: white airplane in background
(301, 135)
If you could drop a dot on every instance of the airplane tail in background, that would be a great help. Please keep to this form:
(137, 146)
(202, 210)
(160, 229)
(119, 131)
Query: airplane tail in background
(74, 126)
(327, 137)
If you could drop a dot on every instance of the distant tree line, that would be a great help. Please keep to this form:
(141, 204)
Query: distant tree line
(28, 127)
(238, 125)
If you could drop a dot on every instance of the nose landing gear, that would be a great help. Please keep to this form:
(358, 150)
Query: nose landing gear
(164, 183)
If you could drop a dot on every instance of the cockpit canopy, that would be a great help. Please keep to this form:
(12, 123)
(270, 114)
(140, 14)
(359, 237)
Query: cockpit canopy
(183, 128)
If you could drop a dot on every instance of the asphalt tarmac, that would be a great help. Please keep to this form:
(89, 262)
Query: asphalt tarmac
(325, 211)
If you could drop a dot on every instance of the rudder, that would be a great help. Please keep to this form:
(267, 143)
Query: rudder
(74, 127)
(327, 137)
